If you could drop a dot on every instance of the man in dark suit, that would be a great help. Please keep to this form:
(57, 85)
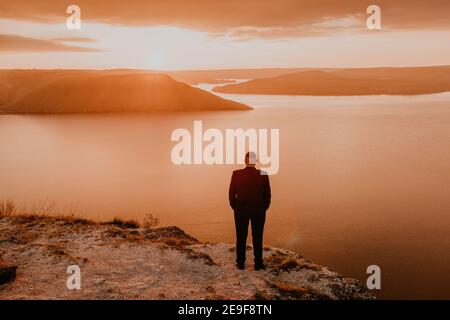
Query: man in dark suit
(249, 196)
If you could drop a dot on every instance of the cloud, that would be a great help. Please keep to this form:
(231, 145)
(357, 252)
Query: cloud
(14, 43)
(268, 18)
(343, 25)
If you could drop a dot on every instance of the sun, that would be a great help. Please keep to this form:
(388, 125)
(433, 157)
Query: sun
(157, 60)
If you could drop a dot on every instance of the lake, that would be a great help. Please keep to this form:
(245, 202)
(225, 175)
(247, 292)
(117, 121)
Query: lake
(362, 180)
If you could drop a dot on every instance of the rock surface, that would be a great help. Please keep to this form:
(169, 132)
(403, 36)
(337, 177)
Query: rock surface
(122, 262)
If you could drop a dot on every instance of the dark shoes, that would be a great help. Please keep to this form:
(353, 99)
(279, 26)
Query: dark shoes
(260, 266)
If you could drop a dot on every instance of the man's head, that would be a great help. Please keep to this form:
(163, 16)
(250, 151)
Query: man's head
(250, 159)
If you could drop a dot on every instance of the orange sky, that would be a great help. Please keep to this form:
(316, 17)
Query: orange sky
(202, 34)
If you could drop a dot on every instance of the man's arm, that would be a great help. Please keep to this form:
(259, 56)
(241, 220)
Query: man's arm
(266, 192)
(232, 192)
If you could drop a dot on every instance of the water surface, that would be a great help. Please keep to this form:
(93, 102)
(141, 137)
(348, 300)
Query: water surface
(362, 180)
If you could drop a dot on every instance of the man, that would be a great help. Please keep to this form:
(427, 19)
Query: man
(249, 197)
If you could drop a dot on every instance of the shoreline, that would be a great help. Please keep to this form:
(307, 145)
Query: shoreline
(123, 260)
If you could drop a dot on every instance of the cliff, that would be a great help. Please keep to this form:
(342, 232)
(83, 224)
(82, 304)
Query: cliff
(122, 260)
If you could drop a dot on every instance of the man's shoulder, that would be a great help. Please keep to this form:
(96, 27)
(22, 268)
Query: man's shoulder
(253, 172)
(238, 172)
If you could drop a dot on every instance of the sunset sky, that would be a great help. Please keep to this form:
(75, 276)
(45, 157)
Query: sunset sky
(203, 34)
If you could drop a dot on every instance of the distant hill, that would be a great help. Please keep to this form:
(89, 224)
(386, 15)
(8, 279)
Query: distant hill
(349, 82)
(225, 75)
(73, 91)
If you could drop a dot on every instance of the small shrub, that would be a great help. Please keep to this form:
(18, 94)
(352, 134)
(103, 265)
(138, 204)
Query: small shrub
(150, 221)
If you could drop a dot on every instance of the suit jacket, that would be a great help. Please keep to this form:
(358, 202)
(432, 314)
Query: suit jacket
(249, 191)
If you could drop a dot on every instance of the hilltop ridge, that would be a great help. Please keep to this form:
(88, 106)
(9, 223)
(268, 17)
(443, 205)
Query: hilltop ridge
(77, 91)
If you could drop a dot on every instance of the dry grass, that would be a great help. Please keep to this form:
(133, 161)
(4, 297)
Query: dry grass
(7, 208)
(56, 250)
(124, 233)
(21, 236)
(44, 211)
(289, 263)
(43, 208)
(73, 219)
(40, 212)
(196, 255)
(25, 218)
(178, 243)
(290, 290)
(59, 251)
(121, 223)
(181, 243)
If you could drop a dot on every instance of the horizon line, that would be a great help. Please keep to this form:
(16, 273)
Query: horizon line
(220, 69)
